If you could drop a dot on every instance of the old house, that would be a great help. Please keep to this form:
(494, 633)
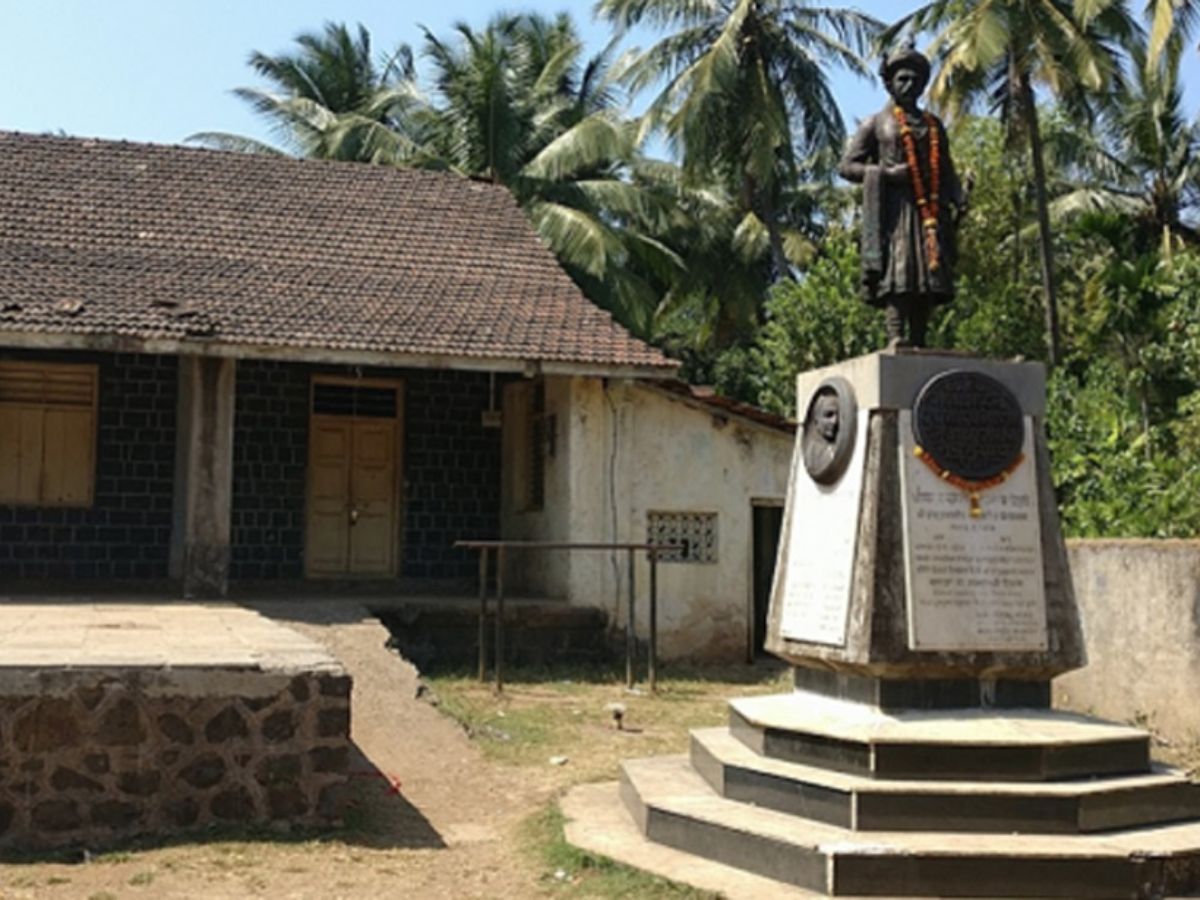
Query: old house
(221, 368)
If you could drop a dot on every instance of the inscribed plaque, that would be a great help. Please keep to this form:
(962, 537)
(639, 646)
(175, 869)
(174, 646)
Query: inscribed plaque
(821, 529)
(969, 422)
(974, 582)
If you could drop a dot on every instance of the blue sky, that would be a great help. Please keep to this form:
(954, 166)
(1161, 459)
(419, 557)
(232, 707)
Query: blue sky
(159, 70)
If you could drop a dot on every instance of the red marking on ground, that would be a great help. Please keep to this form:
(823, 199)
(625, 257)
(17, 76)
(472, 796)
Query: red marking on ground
(393, 781)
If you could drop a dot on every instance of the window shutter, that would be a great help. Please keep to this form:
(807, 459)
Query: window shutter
(47, 434)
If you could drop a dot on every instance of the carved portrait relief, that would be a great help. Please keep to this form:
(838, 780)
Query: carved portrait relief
(827, 439)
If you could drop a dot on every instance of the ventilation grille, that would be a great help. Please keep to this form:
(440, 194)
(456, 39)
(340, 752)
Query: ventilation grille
(48, 385)
(348, 400)
(695, 533)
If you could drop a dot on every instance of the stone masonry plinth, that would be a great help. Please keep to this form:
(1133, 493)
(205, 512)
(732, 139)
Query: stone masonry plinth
(118, 720)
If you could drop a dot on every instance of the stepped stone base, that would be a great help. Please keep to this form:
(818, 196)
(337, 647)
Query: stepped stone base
(1036, 807)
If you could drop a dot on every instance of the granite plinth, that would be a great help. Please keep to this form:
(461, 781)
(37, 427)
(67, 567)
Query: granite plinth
(673, 805)
(862, 803)
(1034, 633)
(1008, 745)
(898, 694)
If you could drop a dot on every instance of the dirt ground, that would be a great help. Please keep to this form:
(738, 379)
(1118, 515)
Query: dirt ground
(447, 832)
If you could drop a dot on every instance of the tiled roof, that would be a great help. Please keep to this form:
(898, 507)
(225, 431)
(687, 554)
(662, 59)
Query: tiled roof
(182, 244)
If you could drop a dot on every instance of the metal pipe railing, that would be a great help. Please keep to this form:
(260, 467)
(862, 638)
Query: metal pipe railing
(652, 551)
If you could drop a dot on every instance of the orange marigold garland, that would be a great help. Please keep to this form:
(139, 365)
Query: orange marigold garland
(972, 489)
(927, 201)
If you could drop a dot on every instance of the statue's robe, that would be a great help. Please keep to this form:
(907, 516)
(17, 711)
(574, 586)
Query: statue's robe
(893, 251)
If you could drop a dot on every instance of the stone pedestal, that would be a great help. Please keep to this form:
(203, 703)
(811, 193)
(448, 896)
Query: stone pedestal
(923, 598)
(886, 574)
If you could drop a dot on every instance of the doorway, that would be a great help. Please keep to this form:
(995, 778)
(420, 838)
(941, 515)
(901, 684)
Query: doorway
(767, 525)
(353, 489)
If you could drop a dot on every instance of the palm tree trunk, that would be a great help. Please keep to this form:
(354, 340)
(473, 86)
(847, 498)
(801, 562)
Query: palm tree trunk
(778, 255)
(758, 198)
(1018, 224)
(1050, 297)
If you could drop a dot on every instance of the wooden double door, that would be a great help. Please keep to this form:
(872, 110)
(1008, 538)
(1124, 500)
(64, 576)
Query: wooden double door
(354, 465)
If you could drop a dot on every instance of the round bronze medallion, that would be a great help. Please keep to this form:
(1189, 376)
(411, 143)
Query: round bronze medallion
(970, 423)
(830, 421)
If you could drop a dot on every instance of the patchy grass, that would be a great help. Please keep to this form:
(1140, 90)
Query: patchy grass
(571, 872)
(545, 714)
(561, 723)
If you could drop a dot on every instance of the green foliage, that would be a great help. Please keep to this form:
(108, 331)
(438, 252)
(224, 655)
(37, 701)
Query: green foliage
(1114, 478)
(741, 90)
(815, 321)
(332, 98)
(515, 102)
(1124, 414)
(997, 309)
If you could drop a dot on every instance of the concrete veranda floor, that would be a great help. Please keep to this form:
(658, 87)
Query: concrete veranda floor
(138, 633)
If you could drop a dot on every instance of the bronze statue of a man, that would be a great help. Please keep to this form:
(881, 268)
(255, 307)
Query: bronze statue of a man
(912, 201)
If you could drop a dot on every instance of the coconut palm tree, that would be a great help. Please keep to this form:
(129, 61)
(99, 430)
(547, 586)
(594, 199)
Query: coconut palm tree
(518, 104)
(745, 96)
(997, 51)
(1169, 19)
(1144, 164)
(332, 98)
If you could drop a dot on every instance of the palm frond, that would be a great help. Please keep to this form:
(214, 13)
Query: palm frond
(234, 143)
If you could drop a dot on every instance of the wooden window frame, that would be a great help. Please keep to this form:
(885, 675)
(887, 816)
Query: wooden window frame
(41, 399)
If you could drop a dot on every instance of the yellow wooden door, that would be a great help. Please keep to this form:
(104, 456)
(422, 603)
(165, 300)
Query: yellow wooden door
(373, 498)
(353, 510)
(329, 457)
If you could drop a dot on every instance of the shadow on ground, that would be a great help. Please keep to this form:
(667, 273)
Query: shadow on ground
(377, 816)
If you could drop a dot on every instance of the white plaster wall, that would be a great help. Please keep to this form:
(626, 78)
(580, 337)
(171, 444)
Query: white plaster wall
(623, 449)
(670, 455)
(1140, 605)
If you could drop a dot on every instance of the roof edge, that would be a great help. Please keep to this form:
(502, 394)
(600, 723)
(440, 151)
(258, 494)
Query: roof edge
(682, 392)
(117, 343)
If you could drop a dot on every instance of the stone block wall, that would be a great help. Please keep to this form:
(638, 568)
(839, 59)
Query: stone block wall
(270, 453)
(126, 533)
(452, 472)
(91, 757)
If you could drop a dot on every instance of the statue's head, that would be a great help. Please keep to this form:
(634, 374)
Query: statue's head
(905, 73)
(826, 414)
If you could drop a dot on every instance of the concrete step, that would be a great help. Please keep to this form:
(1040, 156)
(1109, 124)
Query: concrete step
(672, 805)
(597, 822)
(984, 744)
(861, 803)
